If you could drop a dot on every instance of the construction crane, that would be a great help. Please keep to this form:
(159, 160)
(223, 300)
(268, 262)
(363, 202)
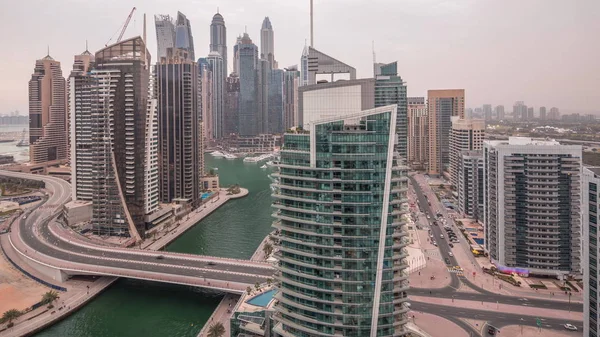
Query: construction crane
(122, 29)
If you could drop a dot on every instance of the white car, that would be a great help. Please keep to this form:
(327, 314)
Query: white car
(450, 254)
(570, 327)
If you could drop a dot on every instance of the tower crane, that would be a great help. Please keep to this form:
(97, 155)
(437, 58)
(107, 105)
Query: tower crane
(122, 29)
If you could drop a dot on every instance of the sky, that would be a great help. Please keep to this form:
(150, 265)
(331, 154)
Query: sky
(543, 52)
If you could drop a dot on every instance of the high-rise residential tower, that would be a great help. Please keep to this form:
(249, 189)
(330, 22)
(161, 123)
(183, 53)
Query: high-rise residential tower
(218, 40)
(267, 43)
(205, 101)
(345, 244)
(47, 113)
(530, 113)
(465, 135)
(248, 119)
(487, 112)
(441, 106)
(520, 111)
(417, 133)
(554, 113)
(125, 135)
(83, 100)
(215, 61)
(179, 143)
(165, 35)
(469, 184)
(231, 106)
(532, 206)
(543, 113)
(291, 80)
(590, 207)
(499, 112)
(390, 89)
(276, 108)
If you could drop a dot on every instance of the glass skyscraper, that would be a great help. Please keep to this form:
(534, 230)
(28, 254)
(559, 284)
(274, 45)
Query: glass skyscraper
(390, 89)
(340, 205)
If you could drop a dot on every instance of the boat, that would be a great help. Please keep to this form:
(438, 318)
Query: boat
(217, 154)
(23, 142)
(269, 163)
(6, 140)
(230, 156)
(264, 166)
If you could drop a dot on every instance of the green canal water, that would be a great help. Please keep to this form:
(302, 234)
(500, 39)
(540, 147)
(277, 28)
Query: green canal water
(132, 308)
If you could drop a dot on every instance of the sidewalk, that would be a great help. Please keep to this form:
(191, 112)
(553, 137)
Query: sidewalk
(436, 325)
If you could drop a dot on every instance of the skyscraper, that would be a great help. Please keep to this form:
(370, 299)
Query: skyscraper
(520, 111)
(231, 106)
(543, 113)
(47, 112)
(165, 35)
(125, 138)
(470, 184)
(499, 112)
(205, 100)
(487, 112)
(390, 89)
(291, 80)
(183, 35)
(179, 143)
(530, 113)
(465, 135)
(314, 62)
(218, 41)
(417, 136)
(275, 109)
(83, 99)
(216, 65)
(236, 55)
(441, 106)
(590, 207)
(267, 43)
(248, 119)
(532, 206)
(554, 113)
(263, 74)
(350, 235)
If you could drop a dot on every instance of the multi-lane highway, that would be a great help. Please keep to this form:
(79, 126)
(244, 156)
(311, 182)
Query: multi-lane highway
(43, 241)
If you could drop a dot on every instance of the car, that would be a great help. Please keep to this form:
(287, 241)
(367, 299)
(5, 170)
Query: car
(24, 217)
(442, 236)
(491, 331)
(160, 257)
(455, 241)
(211, 263)
(451, 245)
(450, 254)
(570, 327)
(434, 243)
(428, 217)
(447, 260)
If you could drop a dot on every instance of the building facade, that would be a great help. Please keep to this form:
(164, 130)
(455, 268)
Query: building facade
(465, 135)
(267, 43)
(390, 89)
(590, 207)
(218, 40)
(543, 113)
(47, 113)
(520, 111)
(218, 93)
(314, 62)
(441, 106)
(82, 94)
(487, 112)
(499, 112)
(470, 184)
(205, 100)
(275, 96)
(532, 205)
(291, 81)
(230, 107)
(248, 55)
(340, 205)
(418, 138)
(178, 142)
(165, 35)
(183, 35)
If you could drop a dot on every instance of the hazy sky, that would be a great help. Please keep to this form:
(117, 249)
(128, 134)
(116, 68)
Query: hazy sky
(544, 52)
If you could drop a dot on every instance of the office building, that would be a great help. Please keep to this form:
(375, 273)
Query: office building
(47, 113)
(267, 43)
(543, 113)
(417, 133)
(231, 108)
(183, 35)
(165, 35)
(83, 100)
(345, 245)
(218, 40)
(487, 112)
(465, 135)
(499, 112)
(554, 114)
(441, 106)
(590, 208)
(291, 82)
(532, 206)
(218, 91)
(314, 63)
(336, 99)
(520, 111)
(248, 62)
(178, 141)
(125, 135)
(390, 89)
(470, 184)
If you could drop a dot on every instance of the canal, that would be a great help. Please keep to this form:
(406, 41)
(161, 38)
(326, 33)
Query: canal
(132, 308)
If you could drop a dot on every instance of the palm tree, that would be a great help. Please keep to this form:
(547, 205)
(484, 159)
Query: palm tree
(216, 330)
(49, 297)
(249, 290)
(257, 286)
(9, 316)
(267, 249)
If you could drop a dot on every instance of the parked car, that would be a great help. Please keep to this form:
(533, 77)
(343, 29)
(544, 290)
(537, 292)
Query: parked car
(442, 236)
(211, 264)
(434, 243)
(570, 327)
(451, 245)
(450, 254)
(160, 257)
(447, 261)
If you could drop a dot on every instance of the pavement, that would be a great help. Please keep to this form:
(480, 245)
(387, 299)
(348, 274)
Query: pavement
(436, 326)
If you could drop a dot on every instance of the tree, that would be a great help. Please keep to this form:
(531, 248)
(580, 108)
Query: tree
(257, 286)
(267, 249)
(442, 186)
(49, 297)
(9, 316)
(269, 281)
(249, 290)
(216, 330)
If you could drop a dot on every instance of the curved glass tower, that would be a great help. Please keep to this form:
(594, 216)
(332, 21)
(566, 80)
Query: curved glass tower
(340, 205)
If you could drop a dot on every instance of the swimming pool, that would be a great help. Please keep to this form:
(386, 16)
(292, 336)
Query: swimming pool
(262, 300)
(206, 195)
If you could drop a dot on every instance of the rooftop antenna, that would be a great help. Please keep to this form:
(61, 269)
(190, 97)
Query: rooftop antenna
(217, 10)
(86, 45)
(246, 29)
(48, 50)
(312, 40)
(144, 36)
(374, 58)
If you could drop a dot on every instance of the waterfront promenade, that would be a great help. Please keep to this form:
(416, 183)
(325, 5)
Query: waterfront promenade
(76, 296)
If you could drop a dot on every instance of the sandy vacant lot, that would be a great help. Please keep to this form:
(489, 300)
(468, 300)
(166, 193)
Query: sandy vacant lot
(16, 290)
